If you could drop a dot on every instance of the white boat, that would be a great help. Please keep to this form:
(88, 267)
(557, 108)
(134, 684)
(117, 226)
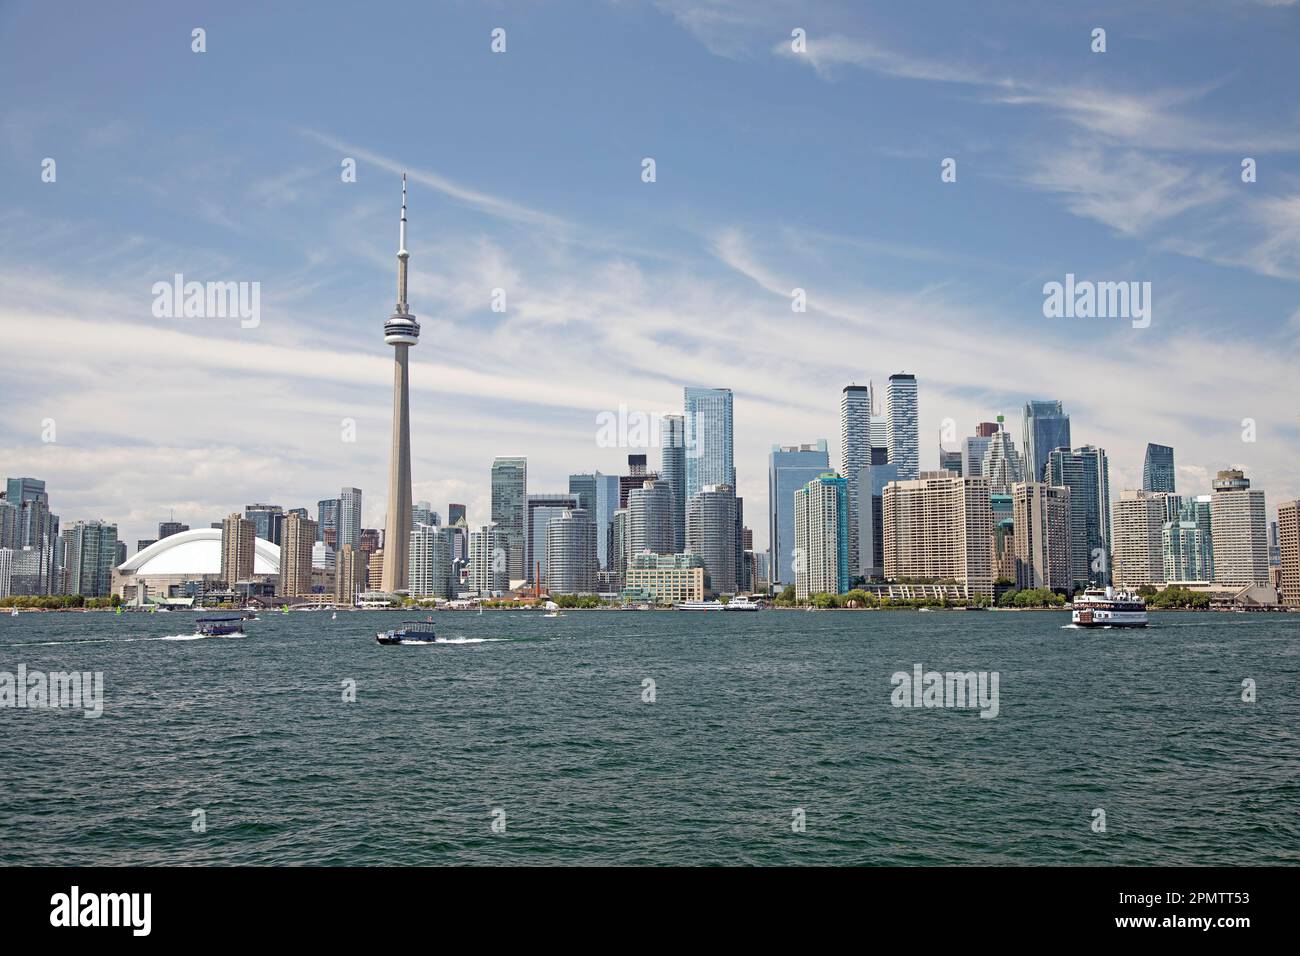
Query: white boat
(334, 616)
(14, 612)
(702, 606)
(554, 614)
(742, 603)
(1107, 607)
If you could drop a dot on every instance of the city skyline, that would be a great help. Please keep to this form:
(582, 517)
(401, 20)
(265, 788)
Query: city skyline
(154, 417)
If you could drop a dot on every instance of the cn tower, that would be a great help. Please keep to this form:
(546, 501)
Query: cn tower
(401, 331)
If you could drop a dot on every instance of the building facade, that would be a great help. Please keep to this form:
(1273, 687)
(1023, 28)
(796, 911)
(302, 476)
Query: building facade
(1158, 470)
(711, 533)
(939, 527)
(1086, 472)
(665, 578)
(1288, 540)
(790, 468)
(237, 543)
(1137, 538)
(298, 538)
(1041, 518)
(509, 497)
(1239, 526)
(1046, 426)
(571, 559)
(821, 535)
(856, 407)
(901, 425)
(650, 518)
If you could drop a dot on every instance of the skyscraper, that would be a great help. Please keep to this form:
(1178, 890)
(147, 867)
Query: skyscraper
(903, 438)
(509, 491)
(430, 561)
(327, 521)
(489, 560)
(872, 481)
(349, 518)
(297, 540)
(1041, 517)
(650, 518)
(237, 543)
(1239, 526)
(1002, 464)
(401, 331)
(672, 468)
(1046, 427)
(821, 535)
(709, 450)
(267, 521)
(540, 510)
(455, 514)
(1086, 472)
(571, 553)
(168, 528)
(91, 557)
(606, 504)
(1137, 538)
(1158, 468)
(939, 526)
(855, 454)
(1288, 539)
(349, 574)
(711, 533)
(790, 468)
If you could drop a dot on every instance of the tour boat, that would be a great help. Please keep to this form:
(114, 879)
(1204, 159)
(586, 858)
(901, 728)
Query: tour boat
(742, 603)
(411, 632)
(1107, 607)
(701, 605)
(219, 626)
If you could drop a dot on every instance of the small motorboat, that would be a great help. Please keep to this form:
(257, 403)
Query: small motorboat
(411, 632)
(334, 616)
(219, 626)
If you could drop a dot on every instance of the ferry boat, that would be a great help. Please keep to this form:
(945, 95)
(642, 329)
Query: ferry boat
(411, 632)
(219, 626)
(742, 603)
(702, 606)
(1107, 607)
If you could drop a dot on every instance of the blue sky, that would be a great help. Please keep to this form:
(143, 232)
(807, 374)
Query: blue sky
(775, 170)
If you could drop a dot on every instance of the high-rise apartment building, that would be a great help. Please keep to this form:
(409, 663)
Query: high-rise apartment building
(237, 543)
(855, 454)
(672, 468)
(1137, 538)
(1239, 525)
(650, 518)
(298, 537)
(901, 428)
(1288, 541)
(489, 561)
(1046, 426)
(349, 518)
(91, 555)
(709, 450)
(821, 536)
(1158, 469)
(571, 561)
(1041, 518)
(790, 468)
(430, 561)
(509, 498)
(872, 481)
(540, 510)
(711, 533)
(349, 574)
(1086, 472)
(939, 527)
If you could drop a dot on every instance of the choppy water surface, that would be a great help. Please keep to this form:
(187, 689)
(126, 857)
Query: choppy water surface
(755, 716)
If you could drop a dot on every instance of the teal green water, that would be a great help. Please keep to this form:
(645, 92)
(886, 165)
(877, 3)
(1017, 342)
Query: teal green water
(756, 715)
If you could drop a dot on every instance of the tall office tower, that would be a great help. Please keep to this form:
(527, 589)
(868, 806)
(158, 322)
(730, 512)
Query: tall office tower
(455, 514)
(349, 518)
(974, 448)
(267, 521)
(1086, 472)
(237, 544)
(583, 488)
(1137, 538)
(855, 454)
(872, 481)
(617, 550)
(672, 468)
(1041, 516)
(742, 577)
(430, 561)
(790, 468)
(821, 535)
(1002, 464)
(903, 438)
(711, 533)
(401, 331)
(540, 510)
(349, 574)
(939, 526)
(37, 528)
(489, 560)
(422, 513)
(950, 460)
(1288, 541)
(606, 504)
(1158, 468)
(1186, 550)
(1239, 525)
(9, 537)
(91, 557)
(571, 553)
(709, 453)
(650, 518)
(509, 494)
(297, 540)
(1004, 548)
(1046, 427)
(879, 428)
(168, 528)
(327, 521)
(636, 476)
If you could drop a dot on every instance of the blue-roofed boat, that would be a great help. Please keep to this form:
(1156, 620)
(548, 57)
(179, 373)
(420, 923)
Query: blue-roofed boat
(411, 632)
(219, 626)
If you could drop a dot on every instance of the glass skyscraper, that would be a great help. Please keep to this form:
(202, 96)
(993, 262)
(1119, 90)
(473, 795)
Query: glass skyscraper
(901, 433)
(1046, 427)
(855, 454)
(1158, 468)
(1086, 472)
(672, 467)
(709, 454)
(349, 518)
(789, 469)
(509, 488)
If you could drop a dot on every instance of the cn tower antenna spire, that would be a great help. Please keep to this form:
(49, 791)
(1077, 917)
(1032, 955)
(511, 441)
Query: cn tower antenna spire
(402, 255)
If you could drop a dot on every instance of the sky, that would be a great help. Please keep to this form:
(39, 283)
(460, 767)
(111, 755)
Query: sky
(776, 169)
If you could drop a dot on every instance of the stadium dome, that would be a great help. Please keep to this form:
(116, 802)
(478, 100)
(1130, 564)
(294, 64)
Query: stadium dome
(196, 553)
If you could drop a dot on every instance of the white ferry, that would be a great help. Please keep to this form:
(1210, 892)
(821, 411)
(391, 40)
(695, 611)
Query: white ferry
(742, 603)
(702, 606)
(1098, 607)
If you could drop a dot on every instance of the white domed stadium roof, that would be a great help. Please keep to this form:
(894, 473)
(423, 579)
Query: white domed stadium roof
(197, 552)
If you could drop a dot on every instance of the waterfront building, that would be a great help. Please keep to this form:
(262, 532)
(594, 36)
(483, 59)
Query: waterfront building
(1239, 526)
(1137, 538)
(509, 497)
(607, 490)
(238, 535)
(91, 557)
(1041, 517)
(938, 526)
(1158, 470)
(872, 481)
(349, 574)
(1086, 472)
(430, 562)
(540, 509)
(1046, 426)
(821, 536)
(297, 540)
(1288, 539)
(349, 518)
(902, 435)
(709, 436)
(672, 468)
(571, 560)
(711, 533)
(1002, 464)
(617, 549)
(665, 578)
(489, 561)
(856, 408)
(650, 518)
(1186, 551)
(789, 468)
